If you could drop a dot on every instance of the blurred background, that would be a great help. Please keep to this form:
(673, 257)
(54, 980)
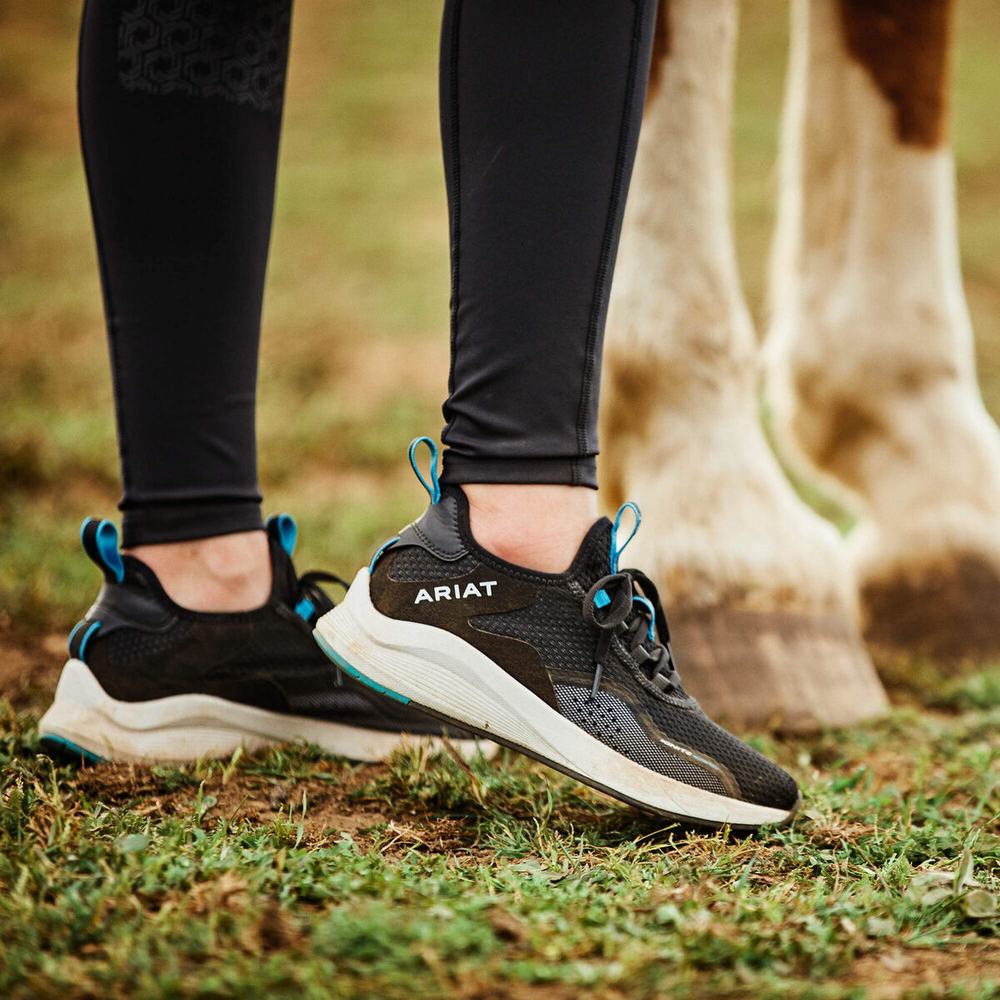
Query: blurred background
(354, 357)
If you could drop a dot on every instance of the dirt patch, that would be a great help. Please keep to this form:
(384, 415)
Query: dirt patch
(326, 803)
(29, 667)
(836, 834)
(481, 988)
(849, 428)
(331, 802)
(889, 974)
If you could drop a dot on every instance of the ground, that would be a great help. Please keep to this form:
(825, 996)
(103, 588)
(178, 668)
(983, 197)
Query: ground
(289, 874)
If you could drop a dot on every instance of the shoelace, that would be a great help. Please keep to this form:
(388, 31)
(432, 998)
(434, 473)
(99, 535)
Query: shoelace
(312, 601)
(614, 607)
(309, 589)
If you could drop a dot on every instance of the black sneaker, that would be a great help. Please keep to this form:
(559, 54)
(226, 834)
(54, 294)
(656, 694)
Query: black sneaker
(148, 680)
(573, 669)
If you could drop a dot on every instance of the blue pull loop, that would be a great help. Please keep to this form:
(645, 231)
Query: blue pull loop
(434, 486)
(616, 549)
(283, 526)
(648, 605)
(100, 542)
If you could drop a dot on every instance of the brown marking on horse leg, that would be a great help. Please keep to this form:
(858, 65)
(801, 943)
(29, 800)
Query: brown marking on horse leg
(850, 427)
(846, 430)
(905, 46)
(631, 394)
(661, 49)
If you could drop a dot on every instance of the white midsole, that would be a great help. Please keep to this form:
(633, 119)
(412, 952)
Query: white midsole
(444, 673)
(189, 727)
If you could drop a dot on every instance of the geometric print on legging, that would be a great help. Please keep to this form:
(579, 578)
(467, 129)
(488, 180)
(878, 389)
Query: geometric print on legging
(236, 50)
(610, 720)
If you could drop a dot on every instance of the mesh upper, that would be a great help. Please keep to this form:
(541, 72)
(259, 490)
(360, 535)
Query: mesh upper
(567, 645)
(611, 721)
(759, 780)
(592, 561)
(415, 565)
(130, 646)
(553, 625)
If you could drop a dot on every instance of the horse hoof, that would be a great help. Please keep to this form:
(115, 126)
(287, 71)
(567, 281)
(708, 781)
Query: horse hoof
(794, 671)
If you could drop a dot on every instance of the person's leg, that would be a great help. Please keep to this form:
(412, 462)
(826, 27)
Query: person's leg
(540, 110)
(504, 607)
(180, 110)
(180, 106)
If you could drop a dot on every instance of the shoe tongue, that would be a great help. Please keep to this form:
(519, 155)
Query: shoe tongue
(593, 558)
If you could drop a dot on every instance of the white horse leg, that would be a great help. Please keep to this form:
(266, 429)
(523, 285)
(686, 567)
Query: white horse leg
(870, 357)
(758, 588)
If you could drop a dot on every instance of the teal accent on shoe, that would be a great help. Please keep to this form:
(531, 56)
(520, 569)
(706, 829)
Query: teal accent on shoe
(61, 743)
(380, 550)
(616, 549)
(354, 672)
(86, 638)
(288, 531)
(106, 543)
(305, 609)
(601, 598)
(648, 605)
(72, 635)
(434, 486)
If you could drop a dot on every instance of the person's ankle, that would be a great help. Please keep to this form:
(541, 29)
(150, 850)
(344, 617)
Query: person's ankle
(537, 526)
(221, 573)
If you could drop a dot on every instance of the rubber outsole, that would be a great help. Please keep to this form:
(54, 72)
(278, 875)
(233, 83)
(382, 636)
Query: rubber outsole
(326, 632)
(84, 722)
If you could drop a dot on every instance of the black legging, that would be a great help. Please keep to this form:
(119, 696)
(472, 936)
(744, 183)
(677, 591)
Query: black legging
(180, 112)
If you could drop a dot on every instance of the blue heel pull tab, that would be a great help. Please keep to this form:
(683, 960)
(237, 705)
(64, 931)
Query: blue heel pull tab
(616, 548)
(434, 486)
(378, 552)
(100, 542)
(283, 528)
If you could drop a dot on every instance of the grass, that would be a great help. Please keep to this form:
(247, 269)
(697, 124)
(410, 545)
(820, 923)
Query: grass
(289, 874)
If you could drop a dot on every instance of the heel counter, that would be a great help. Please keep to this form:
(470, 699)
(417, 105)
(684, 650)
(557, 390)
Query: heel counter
(437, 531)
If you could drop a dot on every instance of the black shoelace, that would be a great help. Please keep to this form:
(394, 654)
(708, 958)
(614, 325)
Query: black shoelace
(309, 589)
(613, 605)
